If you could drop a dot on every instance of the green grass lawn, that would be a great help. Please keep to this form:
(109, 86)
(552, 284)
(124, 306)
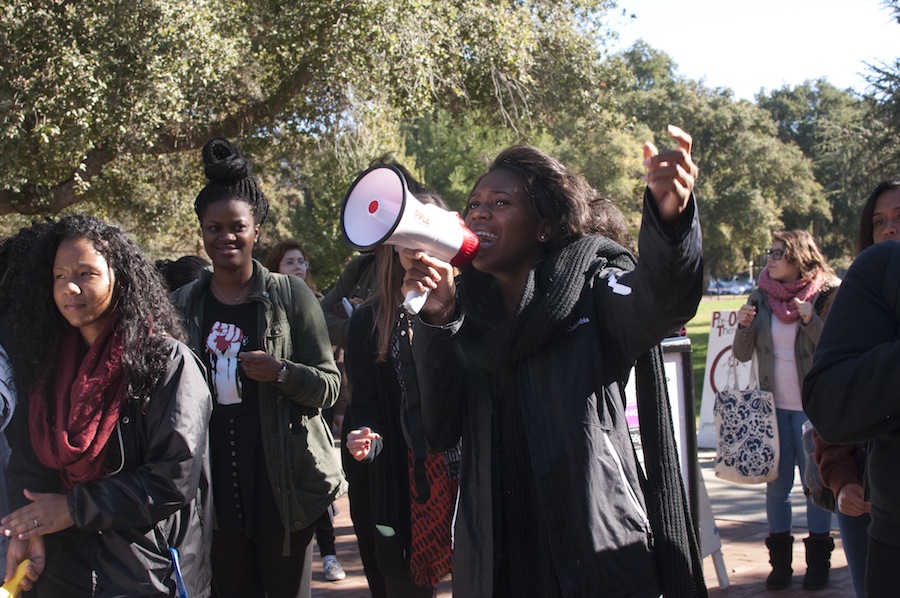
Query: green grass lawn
(698, 332)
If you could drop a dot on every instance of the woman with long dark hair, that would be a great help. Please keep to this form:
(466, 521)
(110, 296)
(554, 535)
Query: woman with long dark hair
(263, 338)
(412, 494)
(841, 466)
(109, 467)
(880, 217)
(850, 394)
(526, 363)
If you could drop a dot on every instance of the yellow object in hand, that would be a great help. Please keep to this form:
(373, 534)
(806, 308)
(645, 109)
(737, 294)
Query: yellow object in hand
(11, 589)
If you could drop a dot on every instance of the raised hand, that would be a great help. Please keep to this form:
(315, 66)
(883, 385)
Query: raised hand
(671, 174)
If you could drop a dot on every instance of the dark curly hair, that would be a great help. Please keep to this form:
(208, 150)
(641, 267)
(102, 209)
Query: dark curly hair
(230, 177)
(557, 194)
(178, 273)
(144, 311)
(14, 252)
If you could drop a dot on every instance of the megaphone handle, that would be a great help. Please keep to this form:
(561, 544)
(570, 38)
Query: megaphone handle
(414, 301)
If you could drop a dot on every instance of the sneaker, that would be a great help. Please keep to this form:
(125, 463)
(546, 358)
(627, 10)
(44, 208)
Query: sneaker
(332, 568)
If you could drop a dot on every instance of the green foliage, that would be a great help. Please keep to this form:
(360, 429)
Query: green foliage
(106, 109)
(90, 107)
(750, 184)
(453, 152)
(836, 131)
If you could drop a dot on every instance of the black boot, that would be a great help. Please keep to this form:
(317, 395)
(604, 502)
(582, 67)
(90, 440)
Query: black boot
(818, 562)
(781, 553)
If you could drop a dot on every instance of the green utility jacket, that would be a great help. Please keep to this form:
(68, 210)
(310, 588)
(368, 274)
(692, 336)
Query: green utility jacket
(304, 469)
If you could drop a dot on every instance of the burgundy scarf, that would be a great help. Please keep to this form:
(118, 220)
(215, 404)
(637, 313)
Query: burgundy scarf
(70, 427)
(782, 294)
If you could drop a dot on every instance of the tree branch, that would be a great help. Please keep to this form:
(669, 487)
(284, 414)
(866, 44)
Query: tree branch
(41, 199)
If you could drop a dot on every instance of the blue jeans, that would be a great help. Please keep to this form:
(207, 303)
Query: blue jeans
(778, 492)
(855, 538)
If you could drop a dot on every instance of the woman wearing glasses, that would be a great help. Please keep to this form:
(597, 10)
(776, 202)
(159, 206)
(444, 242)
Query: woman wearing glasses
(781, 322)
(290, 257)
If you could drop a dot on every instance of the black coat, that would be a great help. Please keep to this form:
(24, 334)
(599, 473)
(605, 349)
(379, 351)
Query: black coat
(377, 405)
(579, 447)
(852, 392)
(156, 496)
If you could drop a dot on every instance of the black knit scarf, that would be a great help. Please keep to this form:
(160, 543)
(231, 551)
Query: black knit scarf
(490, 338)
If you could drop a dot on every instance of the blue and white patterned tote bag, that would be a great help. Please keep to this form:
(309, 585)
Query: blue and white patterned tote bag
(746, 432)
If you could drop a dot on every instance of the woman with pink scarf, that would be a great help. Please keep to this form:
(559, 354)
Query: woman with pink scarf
(781, 323)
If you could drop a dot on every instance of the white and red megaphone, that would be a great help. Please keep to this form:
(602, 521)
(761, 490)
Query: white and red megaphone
(379, 209)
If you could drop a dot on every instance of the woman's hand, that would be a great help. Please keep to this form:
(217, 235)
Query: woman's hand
(259, 365)
(428, 274)
(851, 501)
(18, 551)
(359, 442)
(805, 309)
(47, 513)
(746, 315)
(671, 174)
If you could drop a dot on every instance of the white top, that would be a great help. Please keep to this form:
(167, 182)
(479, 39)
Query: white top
(787, 382)
(7, 390)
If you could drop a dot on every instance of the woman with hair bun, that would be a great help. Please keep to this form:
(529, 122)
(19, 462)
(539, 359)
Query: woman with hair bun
(109, 469)
(271, 371)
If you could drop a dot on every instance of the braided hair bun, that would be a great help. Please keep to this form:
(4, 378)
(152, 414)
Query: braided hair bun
(224, 163)
(230, 177)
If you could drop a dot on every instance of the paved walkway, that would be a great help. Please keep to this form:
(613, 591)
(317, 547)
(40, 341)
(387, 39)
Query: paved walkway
(740, 521)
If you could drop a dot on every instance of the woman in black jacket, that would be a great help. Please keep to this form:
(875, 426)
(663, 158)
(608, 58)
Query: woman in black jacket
(850, 394)
(526, 365)
(109, 467)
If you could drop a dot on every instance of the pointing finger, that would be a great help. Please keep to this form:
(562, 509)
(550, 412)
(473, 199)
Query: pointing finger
(685, 141)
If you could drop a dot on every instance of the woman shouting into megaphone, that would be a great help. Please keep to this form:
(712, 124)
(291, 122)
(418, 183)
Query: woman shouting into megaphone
(524, 356)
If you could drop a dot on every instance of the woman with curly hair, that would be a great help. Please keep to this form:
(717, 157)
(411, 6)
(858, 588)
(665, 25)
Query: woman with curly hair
(781, 323)
(109, 469)
(524, 360)
(263, 338)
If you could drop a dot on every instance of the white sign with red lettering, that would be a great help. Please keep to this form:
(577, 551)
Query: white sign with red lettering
(718, 362)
